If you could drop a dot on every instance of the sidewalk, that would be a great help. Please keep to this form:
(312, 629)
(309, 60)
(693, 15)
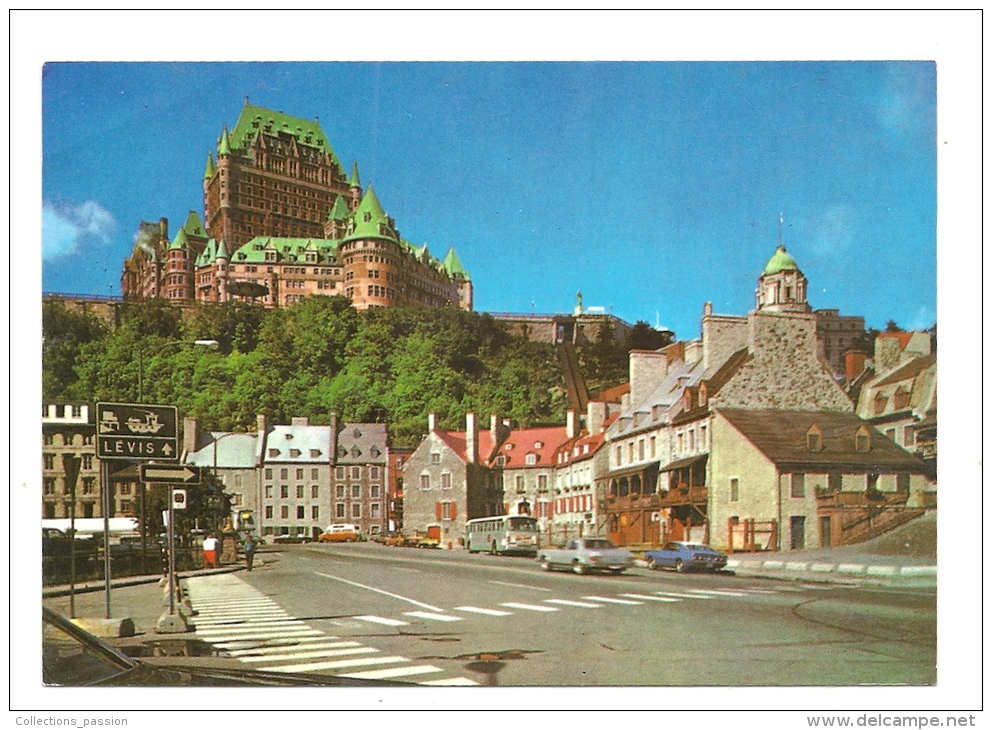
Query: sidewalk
(905, 556)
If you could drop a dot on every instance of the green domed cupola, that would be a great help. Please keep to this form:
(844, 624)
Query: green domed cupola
(780, 261)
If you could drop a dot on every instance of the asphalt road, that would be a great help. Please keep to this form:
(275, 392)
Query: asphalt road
(432, 616)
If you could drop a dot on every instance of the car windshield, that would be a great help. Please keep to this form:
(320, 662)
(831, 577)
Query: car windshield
(599, 544)
(522, 523)
(705, 548)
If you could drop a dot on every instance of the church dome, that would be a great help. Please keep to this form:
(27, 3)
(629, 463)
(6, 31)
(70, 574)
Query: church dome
(780, 261)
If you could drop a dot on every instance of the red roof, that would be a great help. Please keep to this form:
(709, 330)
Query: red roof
(456, 442)
(593, 440)
(542, 442)
(614, 394)
(903, 337)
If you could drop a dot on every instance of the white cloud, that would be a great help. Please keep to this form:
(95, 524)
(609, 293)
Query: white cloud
(923, 319)
(65, 228)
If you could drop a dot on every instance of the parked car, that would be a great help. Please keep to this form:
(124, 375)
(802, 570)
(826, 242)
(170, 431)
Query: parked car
(585, 555)
(683, 556)
(341, 533)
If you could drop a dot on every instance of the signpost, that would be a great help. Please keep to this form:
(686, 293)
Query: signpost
(135, 432)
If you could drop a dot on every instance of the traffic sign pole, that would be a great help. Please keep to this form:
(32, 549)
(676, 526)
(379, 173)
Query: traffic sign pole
(105, 484)
(172, 556)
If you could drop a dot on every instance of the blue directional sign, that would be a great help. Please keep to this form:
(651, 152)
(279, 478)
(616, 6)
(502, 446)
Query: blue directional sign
(137, 432)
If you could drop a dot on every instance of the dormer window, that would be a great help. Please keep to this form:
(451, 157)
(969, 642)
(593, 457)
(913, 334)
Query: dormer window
(862, 440)
(356, 452)
(901, 398)
(314, 453)
(508, 447)
(538, 444)
(531, 459)
(880, 402)
(357, 434)
(703, 395)
(294, 453)
(814, 439)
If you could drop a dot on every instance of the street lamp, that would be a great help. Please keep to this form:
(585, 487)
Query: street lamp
(212, 344)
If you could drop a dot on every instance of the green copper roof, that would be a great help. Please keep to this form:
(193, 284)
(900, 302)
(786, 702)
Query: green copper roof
(340, 210)
(224, 148)
(208, 254)
(454, 266)
(780, 261)
(286, 250)
(256, 119)
(209, 172)
(193, 226)
(353, 181)
(180, 241)
(370, 220)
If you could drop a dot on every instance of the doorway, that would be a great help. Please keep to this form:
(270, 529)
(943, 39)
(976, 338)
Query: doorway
(797, 527)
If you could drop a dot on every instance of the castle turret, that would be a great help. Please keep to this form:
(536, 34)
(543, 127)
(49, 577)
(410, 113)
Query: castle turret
(355, 186)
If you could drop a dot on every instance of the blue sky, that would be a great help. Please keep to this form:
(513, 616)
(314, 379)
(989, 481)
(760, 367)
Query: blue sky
(651, 187)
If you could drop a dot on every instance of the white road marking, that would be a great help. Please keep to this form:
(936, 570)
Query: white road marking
(262, 651)
(281, 634)
(641, 596)
(391, 673)
(529, 607)
(714, 593)
(485, 611)
(340, 664)
(242, 621)
(759, 590)
(577, 604)
(381, 620)
(385, 593)
(452, 682)
(285, 625)
(683, 595)
(431, 616)
(315, 654)
(614, 600)
(271, 643)
(518, 585)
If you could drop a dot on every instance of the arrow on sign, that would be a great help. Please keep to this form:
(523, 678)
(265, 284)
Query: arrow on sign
(165, 473)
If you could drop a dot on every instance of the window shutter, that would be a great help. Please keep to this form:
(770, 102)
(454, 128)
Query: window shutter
(437, 510)
(454, 511)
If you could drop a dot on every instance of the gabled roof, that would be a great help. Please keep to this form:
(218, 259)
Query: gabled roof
(362, 443)
(902, 337)
(455, 440)
(255, 120)
(298, 444)
(614, 394)
(288, 250)
(907, 371)
(225, 450)
(587, 444)
(539, 442)
(781, 437)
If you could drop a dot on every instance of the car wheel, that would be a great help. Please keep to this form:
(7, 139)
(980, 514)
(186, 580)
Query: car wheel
(545, 565)
(616, 571)
(679, 566)
(651, 564)
(578, 568)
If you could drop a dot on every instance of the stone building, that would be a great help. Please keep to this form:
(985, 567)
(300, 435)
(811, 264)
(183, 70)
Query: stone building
(68, 428)
(233, 457)
(448, 480)
(837, 335)
(526, 459)
(360, 477)
(579, 505)
(395, 486)
(283, 222)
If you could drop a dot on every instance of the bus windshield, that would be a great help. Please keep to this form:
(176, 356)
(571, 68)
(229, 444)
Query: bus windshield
(522, 523)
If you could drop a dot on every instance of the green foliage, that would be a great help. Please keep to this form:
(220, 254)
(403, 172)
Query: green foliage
(64, 333)
(389, 365)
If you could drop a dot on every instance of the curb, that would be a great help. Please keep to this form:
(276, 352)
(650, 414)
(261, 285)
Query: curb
(136, 580)
(823, 570)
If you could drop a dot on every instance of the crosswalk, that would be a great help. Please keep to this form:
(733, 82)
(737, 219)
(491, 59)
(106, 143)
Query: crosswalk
(238, 619)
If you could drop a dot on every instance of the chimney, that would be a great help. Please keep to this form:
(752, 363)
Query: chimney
(334, 437)
(189, 435)
(595, 416)
(647, 369)
(570, 430)
(260, 424)
(854, 364)
(301, 421)
(471, 439)
(431, 421)
(163, 228)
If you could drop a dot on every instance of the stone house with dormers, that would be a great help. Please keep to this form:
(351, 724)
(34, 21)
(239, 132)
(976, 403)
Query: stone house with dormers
(578, 504)
(452, 477)
(663, 444)
(526, 460)
(360, 480)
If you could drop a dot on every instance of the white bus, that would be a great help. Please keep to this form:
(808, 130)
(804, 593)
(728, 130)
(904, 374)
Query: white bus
(502, 534)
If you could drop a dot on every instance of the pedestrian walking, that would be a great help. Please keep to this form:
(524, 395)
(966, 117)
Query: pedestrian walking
(249, 550)
(210, 551)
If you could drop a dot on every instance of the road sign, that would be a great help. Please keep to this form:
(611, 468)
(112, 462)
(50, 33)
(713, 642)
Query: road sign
(178, 499)
(170, 473)
(137, 432)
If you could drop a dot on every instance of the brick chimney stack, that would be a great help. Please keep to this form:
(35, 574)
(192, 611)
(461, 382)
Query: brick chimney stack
(570, 425)
(260, 424)
(334, 437)
(595, 416)
(431, 421)
(854, 364)
(190, 435)
(471, 438)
